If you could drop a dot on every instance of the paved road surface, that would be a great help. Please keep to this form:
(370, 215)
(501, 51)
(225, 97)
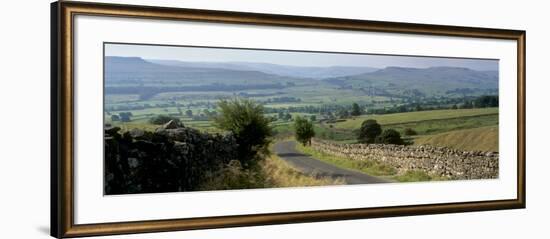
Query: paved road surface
(311, 166)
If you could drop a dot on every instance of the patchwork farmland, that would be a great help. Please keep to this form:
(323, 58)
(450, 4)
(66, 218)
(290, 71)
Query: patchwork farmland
(454, 108)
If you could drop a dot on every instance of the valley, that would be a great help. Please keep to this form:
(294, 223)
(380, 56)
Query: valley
(429, 101)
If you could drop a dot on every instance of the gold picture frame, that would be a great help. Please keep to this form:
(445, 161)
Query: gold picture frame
(62, 102)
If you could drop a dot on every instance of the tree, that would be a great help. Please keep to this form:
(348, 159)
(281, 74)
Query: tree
(370, 129)
(303, 130)
(115, 118)
(313, 118)
(409, 131)
(125, 116)
(189, 113)
(390, 136)
(467, 105)
(245, 119)
(355, 110)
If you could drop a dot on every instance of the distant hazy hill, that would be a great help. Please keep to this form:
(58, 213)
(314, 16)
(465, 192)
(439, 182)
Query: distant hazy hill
(134, 70)
(281, 70)
(425, 80)
(390, 81)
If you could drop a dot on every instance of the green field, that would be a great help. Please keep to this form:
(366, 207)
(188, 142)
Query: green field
(399, 118)
(467, 129)
(428, 127)
(482, 139)
(320, 96)
(187, 102)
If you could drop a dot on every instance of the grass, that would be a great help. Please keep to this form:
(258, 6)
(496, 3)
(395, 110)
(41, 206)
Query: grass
(422, 127)
(399, 118)
(429, 127)
(417, 176)
(368, 167)
(281, 174)
(340, 135)
(482, 139)
(272, 172)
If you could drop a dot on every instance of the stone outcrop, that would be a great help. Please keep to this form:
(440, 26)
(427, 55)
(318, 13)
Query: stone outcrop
(436, 161)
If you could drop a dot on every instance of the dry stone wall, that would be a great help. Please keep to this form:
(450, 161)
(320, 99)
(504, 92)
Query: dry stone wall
(436, 161)
(171, 159)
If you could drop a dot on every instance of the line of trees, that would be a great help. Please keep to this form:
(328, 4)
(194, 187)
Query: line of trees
(371, 132)
(337, 111)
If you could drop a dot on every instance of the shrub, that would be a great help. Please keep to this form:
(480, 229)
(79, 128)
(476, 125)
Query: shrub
(125, 116)
(115, 118)
(245, 119)
(355, 110)
(189, 113)
(287, 117)
(303, 130)
(370, 129)
(390, 136)
(409, 132)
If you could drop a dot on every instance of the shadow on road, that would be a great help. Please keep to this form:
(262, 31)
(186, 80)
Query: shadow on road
(287, 155)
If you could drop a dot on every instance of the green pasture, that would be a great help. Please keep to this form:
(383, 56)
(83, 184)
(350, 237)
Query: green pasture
(397, 118)
(482, 139)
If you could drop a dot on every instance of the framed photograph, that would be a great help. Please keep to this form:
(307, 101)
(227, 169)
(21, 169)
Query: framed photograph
(170, 119)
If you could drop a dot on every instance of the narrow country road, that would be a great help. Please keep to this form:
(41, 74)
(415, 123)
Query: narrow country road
(286, 151)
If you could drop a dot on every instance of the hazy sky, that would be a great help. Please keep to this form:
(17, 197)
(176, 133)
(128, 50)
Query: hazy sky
(203, 54)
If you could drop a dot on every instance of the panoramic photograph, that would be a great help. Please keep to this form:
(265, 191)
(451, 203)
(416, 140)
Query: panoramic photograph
(190, 118)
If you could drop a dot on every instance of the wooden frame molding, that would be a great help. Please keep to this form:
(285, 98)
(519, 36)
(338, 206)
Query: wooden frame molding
(62, 126)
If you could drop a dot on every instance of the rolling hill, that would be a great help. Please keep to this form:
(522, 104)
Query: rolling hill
(136, 71)
(401, 81)
(275, 69)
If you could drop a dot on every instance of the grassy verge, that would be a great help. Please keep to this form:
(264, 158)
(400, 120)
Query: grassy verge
(369, 167)
(281, 174)
(270, 173)
(417, 176)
